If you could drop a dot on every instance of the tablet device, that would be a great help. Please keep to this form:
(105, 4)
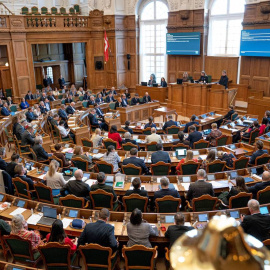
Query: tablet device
(264, 210)
(186, 179)
(248, 179)
(232, 146)
(211, 177)
(233, 175)
(203, 217)
(73, 213)
(196, 153)
(95, 151)
(20, 203)
(87, 175)
(46, 168)
(181, 152)
(235, 214)
(169, 219)
(69, 156)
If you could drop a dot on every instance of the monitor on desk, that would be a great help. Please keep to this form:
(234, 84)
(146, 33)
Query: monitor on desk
(211, 177)
(234, 214)
(186, 179)
(179, 81)
(232, 146)
(73, 213)
(20, 203)
(143, 83)
(169, 219)
(233, 175)
(203, 217)
(155, 84)
(264, 210)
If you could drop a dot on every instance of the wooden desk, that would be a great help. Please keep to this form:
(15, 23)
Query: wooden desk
(258, 106)
(112, 121)
(165, 112)
(156, 93)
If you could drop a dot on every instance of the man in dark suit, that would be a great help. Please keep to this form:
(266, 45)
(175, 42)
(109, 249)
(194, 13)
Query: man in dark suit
(160, 155)
(30, 116)
(62, 112)
(110, 98)
(20, 171)
(169, 123)
(203, 78)
(3, 164)
(43, 97)
(124, 100)
(175, 231)
(99, 232)
(151, 81)
(256, 224)
(99, 99)
(20, 129)
(261, 185)
(99, 112)
(68, 99)
(101, 178)
(71, 108)
(224, 80)
(47, 81)
(227, 117)
(119, 103)
(191, 123)
(51, 96)
(258, 153)
(200, 187)
(91, 101)
(42, 107)
(136, 183)
(94, 121)
(135, 100)
(146, 98)
(193, 136)
(61, 82)
(39, 150)
(29, 96)
(27, 137)
(5, 111)
(128, 139)
(87, 95)
(165, 190)
(133, 159)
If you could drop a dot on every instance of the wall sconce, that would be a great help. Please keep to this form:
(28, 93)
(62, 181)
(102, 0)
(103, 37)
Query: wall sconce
(6, 64)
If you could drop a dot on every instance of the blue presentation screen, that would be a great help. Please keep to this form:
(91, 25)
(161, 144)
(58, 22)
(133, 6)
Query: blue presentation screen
(255, 42)
(183, 43)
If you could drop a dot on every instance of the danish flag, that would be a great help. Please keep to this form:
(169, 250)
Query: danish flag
(106, 47)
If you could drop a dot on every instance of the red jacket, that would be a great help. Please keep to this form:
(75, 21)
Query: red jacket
(117, 138)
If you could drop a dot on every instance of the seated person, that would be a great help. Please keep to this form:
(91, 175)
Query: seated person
(69, 99)
(29, 95)
(163, 83)
(55, 120)
(5, 110)
(203, 78)
(146, 98)
(165, 190)
(112, 157)
(71, 108)
(30, 116)
(11, 165)
(160, 155)
(211, 157)
(133, 159)
(51, 96)
(136, 183)
(263, 126)
(58, 235)
(150, 123)
(94, 121)
(124, 100)
(246, 135)
(43, 108)
(227, 117)
(96, 138)
(227, 157)
(224, 80)
(191, 123)
(213, 135)
(138, 231)
(181, 136)
(3, 164)
(27, 136)
(110, 98)
(127, 94)
(54, 179)
(151, 81)
(258, 153)
(127, 128)
(39, 150)
(47, 104)
(115, 136)
(188, 157)
(169, 123)
(78, 152)
(19, 227)
(99, 112)
(261, 185)
(9, 101)
(76, 187)
(37, 110)
(20, 171)
(101, 178)
(104, 92)
(24, 104)
(119, 103)
(91, 101)
(128, 139)
(5, 228)
(62, 112)
(135, 100)
(87, 95)
(154, 137)
(58, 153)
(185, 77)
(193, 136)
(65, 133)
(178, 229)
(99, 99)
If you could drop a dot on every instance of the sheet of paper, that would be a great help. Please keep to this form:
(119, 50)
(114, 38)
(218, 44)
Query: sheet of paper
(175, 186)
(66, 222)
(98, 156)
(34, 219)
(216, 184)
(19, 210)
(41, 176)
(91, 182)
(185, 185)
(67, 150)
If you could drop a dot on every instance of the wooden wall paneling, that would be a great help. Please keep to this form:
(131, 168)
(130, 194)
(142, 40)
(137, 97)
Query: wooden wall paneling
(6, 78)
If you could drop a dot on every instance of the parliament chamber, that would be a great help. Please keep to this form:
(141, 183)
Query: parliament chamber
(134, 134)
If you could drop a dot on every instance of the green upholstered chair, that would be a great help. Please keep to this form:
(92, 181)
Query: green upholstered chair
(201, 144)
(239, 200)
(44, 11)
(72, 11)
(80, 98)
(34, 11)
(108, 142)
(57, 256)
(39, 86)
(44, 194)
(146, 131)
(203, 203)
(112, 106)
(80, 163)
(139, 257)
(263, 159)
(3, 247)
(63, 101)
(160, 168)
(95, 256)
(21, 250)
(85, 104)
(25, 11)
(10, 138)
(151, 146)
(58, 135)
(87, 142)
(103, 166)
(13, 108)
(172, 130)
(180, 146)
(240, 163)
(209, 78)
(128, 146)
(168, 204)
(22, 188)
(8, 92)
(190, 167)
(222, 140)
(102, 199)
(63, 11)
(215, 166)
(131, 169)
(72, 201)
(263, 196)
(253, 135)
(60, 96)
(135, 201)
(77, 9)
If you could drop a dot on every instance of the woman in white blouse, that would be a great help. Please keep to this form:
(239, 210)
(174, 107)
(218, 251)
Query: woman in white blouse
(96, 138)
(55, 180)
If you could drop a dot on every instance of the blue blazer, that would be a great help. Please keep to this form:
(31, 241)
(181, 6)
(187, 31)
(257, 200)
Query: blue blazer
(258, 153)
(30, 116)
(99, 100)
(188, 125)
(62, 114)
(69, 110)
(137, 162)
(24, 105)
(160, 156)
(110, 99)
(194, 137)
(5, 111)
(169, 124)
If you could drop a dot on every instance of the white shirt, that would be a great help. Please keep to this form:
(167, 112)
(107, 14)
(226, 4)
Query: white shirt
(63, 131)
(153, 138)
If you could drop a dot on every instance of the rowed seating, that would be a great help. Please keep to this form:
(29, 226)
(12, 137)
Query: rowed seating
(131, 169)
(239, 200)
(203, 203)
(167, 204)
(135, 201)
(215, 166)
(44, 194)
(22, 188)
(263, 196)
(240, 163)
(102, 199)
(103, 166)
(73, 201)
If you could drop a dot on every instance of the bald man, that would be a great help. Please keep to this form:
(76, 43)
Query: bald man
(71, 108)
(154, 137)
(76, 187)
(260, 186)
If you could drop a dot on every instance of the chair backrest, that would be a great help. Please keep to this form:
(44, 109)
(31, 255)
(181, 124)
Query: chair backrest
(85, 104)
(201, 144)
(204, 203)
(96, 257)
(172, 130)
(57, 159)
(180, 146)
(160, 168)
(112, 105)
(80, 98)
(77, 9)
(190, 167)
(71, 201)
(51, 261)
(34, 10)
(103, 166)
(63, 10)
(146, 131)
(128, 146)
(168, 204)
(34, 156)
(234, 116)
(240, 163)
(267, 243)
(44, 10)
(72, 11)
(263, 159)
(80, 163)
(131, 169)
(121, 131)
(253, 135)
(263, 196)
(240, 200)
(215, 166)
(151, 146)
(108, 142)
(44, 193)
(101, 199)
(87, 142)
(22, 188)
(135, 201)
(222, 140)
(139, 257)
(54, 10)
(25, 10)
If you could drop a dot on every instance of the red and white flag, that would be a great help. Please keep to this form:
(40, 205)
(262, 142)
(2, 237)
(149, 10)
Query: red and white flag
(106, 47)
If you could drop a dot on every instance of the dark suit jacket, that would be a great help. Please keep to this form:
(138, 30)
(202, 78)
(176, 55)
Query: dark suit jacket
(203, 78)
(28, 97)
(137, 162)
(51, 98)
(163, 84)
(28, 180)
(144, 99)
(164, 192)
(5, 111)
(30, 116)
(258, 153)
(257, 225)
(42, 98)
(151, 82)
(27, 138)
(160, 156)
(110, 99)
(175, 231)
(99, 100)
(19, 129)
(104, 187)
(134, 101)
(128, 129)
(194, 137)
(10, 168)
(129, 141)
(77, 188)
(99, 112)
(90, 102)
(169, 124)
(124, 102)
(86, 97)
(93, 119)
(70, 110)
(43, 109)
(40, 152)
(68, 100)
(62, 113)
(224, 81)
(188, 125)
(118, 104)
(3, 165)
(199, 188)
(98, 233)
(137, 191)
(228, 115)
(257, 187)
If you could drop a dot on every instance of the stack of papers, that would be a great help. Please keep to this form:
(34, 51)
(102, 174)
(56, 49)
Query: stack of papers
(34, 219)
(66, 222)
(98, 156)
(91, 182)
(17, 211)
(68, 150)
(185, 185)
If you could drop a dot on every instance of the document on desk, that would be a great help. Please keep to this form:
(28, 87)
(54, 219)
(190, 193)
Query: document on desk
(185, 185)
(66, 222)
(67, 150)
(217, 184)
(34, 219)
(98, 156)
(17, 211)
(91, 182)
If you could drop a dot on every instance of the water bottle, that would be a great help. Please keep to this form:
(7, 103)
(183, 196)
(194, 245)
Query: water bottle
(32, 211)
(90, 219)
(59, 216)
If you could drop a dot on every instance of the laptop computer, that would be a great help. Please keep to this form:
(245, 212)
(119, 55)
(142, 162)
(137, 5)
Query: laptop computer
(69, 156)
(49, 216)
(179, 81)
(143, 83)
(155, 85)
